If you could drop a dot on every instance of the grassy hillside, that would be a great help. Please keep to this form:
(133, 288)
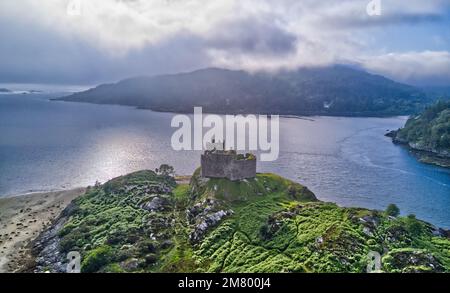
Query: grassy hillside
(145, 222)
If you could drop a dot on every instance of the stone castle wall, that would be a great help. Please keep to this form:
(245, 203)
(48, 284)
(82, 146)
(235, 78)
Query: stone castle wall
(242, 169)
(218, 165)
(215, 165)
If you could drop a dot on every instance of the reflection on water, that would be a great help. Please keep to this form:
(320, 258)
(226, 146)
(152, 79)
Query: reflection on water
(52, 145)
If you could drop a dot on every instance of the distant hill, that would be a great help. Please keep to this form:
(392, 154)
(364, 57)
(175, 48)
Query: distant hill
(3, 90)
(335, 90)
(439, 93)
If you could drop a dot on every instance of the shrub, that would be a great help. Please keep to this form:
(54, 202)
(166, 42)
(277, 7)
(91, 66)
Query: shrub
(147, 246)
(69, 241)
(165, 170)
(264, 232)
(413, 226)
(96, 259)
(392, 210)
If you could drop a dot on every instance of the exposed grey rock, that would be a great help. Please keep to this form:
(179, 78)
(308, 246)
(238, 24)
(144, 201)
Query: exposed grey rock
(166, 244)
(46, 246)
(130, 264)
(436, 231)
(319, 240)
(209, 221)
(374, 220)
(367, 231)
(416, 261)
(204, 215)
(157, 204)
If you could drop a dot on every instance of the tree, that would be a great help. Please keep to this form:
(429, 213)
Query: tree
(392, 210)
(165, 170)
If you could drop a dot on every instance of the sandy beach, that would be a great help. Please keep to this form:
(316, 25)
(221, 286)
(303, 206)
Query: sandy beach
(22, 218)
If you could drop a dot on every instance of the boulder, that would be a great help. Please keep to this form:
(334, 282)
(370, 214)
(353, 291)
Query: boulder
(157, 204)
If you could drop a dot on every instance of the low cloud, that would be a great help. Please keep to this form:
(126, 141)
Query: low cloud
(419, 68)
(254, 36)
(112, 39)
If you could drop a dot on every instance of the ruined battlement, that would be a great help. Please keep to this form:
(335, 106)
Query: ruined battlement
(228, 164)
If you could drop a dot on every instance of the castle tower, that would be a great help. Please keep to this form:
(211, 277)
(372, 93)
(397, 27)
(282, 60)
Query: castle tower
(227, 164)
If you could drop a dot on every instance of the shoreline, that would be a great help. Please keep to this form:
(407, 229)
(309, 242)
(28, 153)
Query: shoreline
(294, 115)
(422, 156)
(37, 192)
(430, 158)
(22, 218)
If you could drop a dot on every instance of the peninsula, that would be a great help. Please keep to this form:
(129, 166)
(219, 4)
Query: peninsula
(148, 222)
(427, 135)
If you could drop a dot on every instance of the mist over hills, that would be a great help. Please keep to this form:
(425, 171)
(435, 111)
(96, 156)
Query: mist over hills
(333, 90)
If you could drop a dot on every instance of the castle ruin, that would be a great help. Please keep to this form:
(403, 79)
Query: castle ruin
(217, 162)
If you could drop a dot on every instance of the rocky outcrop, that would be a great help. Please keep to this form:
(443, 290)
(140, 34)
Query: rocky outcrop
(413, 261)
(434, 156)
(46, 248)
(203, 216)
(157, 204)
(146, 189)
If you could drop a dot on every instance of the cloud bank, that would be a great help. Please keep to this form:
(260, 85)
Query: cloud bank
(81, 41)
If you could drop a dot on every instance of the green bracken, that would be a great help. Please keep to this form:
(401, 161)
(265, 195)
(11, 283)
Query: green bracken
(276, 225)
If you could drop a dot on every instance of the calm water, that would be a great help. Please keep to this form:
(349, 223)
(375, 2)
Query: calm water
(55, 145)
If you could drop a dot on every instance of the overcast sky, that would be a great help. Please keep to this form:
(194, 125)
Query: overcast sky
(42, 41)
